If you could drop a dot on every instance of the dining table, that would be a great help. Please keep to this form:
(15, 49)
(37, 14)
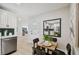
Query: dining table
(48, 47)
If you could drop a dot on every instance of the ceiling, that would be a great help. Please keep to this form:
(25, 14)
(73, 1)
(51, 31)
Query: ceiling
(31, 9)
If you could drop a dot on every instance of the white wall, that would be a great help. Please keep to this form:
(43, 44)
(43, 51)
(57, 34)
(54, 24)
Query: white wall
(22, 21)
(74, 18)
(36, 25)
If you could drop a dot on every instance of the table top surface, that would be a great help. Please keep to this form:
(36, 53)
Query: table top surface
(50, 47)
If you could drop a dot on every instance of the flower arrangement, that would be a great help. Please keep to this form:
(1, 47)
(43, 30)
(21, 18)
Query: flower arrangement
(47, 38)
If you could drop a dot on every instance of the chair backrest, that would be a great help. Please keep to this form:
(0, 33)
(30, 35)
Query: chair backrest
(54, 39)
(35, 41)
(68, 47)
(54, 42)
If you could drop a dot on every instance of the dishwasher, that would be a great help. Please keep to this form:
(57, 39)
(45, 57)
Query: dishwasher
(8, 45)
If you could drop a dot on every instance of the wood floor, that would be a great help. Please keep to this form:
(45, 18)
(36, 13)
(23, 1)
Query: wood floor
(23, 47)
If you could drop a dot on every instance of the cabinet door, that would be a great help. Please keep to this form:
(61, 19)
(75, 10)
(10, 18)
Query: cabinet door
(11, 21)
(0, 19)
(14, 19)
(3, 19)
(15, 24)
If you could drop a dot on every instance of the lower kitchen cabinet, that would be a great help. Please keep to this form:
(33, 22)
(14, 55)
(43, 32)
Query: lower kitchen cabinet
(8, 45)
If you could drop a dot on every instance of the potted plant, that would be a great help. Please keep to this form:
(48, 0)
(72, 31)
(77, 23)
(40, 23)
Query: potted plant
(47, 39)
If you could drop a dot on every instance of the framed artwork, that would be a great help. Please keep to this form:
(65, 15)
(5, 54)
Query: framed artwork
(24, 31)
(52, 27)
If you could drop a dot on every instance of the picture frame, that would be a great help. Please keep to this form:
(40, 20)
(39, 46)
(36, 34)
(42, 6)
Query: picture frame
(52, 27)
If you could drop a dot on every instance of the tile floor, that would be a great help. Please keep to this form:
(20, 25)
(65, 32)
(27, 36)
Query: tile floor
(23, 47)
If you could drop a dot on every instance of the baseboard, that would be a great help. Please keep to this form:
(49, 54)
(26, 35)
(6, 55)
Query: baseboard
(10, 52)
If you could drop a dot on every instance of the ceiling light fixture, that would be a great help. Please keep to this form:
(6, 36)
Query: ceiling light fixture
(18, 3)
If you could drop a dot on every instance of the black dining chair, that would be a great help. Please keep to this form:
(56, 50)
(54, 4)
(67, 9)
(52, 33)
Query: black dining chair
(68, 47)
(35, 43)
(36, 49)
(54, 39)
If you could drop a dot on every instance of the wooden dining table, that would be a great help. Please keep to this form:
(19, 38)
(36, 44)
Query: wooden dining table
(48, 48)
(51, 49)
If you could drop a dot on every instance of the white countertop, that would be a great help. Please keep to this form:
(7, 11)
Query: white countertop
(3, 37)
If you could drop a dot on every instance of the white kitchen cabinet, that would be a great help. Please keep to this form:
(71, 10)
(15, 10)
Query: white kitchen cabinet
(8, 20)
(0, 20)
(3, 19)
(12, 21)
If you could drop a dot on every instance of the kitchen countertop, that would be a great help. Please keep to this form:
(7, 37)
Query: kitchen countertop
(3, 37)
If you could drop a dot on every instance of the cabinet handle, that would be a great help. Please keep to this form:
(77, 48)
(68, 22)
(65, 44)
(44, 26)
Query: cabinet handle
(6, 39)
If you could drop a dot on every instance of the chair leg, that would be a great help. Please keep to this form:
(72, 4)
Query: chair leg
(34, 52)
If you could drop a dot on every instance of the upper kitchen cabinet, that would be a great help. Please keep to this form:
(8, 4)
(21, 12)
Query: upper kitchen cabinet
(3, 19)
(12, 21)
(7, 19)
